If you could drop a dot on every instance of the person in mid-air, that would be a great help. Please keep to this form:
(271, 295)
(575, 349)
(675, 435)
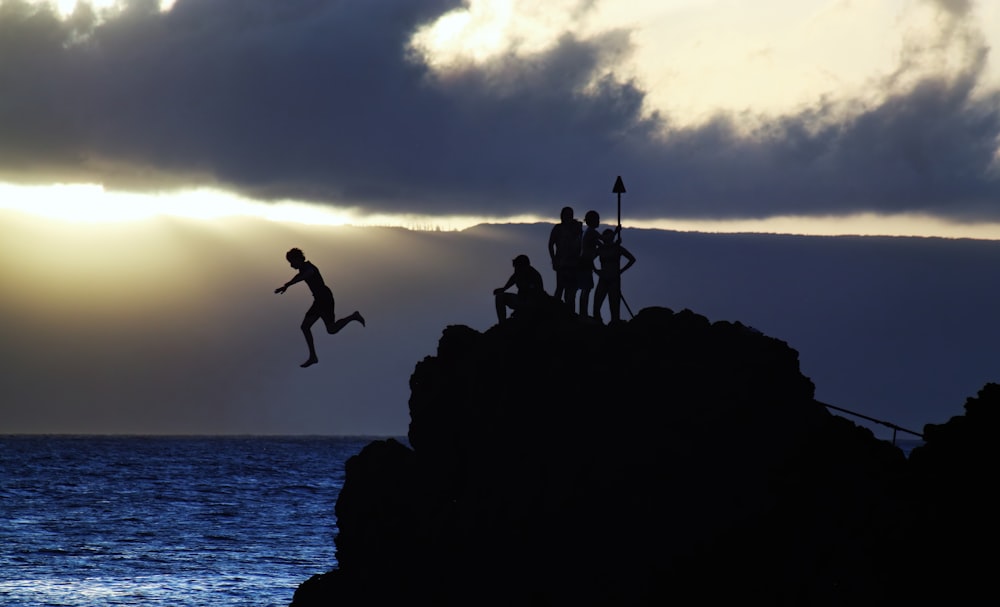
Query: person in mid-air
(322, 306)
(530, 291)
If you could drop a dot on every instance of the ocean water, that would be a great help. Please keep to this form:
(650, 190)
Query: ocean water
(207, 522)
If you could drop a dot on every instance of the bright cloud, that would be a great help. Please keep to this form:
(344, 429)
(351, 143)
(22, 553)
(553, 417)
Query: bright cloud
(66, 7)
(484, 30)
(694, 59)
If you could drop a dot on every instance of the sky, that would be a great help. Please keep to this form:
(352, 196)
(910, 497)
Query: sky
(158, 158)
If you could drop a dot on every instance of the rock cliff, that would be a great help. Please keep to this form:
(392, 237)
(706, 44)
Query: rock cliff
(667, 458)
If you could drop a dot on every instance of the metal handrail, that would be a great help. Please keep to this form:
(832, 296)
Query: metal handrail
(877, 421)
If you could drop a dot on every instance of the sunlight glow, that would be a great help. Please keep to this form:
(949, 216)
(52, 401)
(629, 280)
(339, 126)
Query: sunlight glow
(65, 8)
(90, 203)
(862, 224)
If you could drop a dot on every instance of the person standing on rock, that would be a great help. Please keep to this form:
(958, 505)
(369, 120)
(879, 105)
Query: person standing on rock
(609, 282)
(589, 245)
(564, 250)
(323, 303)
(530, 290)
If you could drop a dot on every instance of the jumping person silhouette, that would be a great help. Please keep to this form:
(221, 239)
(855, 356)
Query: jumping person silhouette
(323, 304)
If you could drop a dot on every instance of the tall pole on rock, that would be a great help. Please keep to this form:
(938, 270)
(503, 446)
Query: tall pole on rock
(619, 189)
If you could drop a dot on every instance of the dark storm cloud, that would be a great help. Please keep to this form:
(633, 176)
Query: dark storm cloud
(930, 149)
(322, 101)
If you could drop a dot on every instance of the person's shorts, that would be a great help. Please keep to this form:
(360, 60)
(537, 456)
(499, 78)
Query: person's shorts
(323, 307)
(568, 277)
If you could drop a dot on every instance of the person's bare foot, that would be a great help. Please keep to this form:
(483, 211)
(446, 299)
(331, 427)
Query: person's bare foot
(361, 319)
(312, 361)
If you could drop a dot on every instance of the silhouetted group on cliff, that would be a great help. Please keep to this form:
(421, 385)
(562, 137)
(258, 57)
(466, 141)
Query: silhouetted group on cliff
(573, 251)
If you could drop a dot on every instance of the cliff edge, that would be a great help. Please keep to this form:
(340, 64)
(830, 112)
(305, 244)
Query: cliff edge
(554, 462)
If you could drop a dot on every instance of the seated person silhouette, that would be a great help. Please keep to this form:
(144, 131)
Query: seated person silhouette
(322, 306)
(530, 291)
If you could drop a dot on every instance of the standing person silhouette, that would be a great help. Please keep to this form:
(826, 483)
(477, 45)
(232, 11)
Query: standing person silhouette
(564, 249)
(609, 282)
(590, 243)
(322, 306)
(530, 291)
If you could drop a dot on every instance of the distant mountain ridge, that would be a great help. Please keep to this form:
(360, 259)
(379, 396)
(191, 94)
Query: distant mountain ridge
(666, 458)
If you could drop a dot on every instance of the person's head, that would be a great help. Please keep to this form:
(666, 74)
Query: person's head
(295, 257)
(608, 235)
(566, 214)
(592, 219)
(521, 261)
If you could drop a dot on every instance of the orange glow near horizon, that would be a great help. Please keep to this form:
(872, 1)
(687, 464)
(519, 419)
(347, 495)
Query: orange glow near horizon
(859, 224)
(92, 204)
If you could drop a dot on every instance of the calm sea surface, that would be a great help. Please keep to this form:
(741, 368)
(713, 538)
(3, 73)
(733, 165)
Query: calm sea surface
(207, 522)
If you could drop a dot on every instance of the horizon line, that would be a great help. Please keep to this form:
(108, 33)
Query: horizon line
(91, 203)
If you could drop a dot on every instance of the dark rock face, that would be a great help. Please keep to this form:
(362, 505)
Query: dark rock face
(949, 552)
(662, 459)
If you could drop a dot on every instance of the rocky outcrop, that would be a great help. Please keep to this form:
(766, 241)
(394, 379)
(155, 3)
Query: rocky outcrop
(667, 458)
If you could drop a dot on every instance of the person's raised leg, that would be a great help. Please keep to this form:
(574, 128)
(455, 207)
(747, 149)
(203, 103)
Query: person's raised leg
(336, 326)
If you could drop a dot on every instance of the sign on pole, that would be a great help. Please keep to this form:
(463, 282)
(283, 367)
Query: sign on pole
(619, 189)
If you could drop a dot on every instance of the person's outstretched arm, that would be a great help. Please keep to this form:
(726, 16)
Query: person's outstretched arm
(302, 275)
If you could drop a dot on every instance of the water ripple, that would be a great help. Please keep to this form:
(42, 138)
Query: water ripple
(166, 521)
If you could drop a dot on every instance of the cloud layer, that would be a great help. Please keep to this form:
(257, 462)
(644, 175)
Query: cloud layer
(327, 102)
